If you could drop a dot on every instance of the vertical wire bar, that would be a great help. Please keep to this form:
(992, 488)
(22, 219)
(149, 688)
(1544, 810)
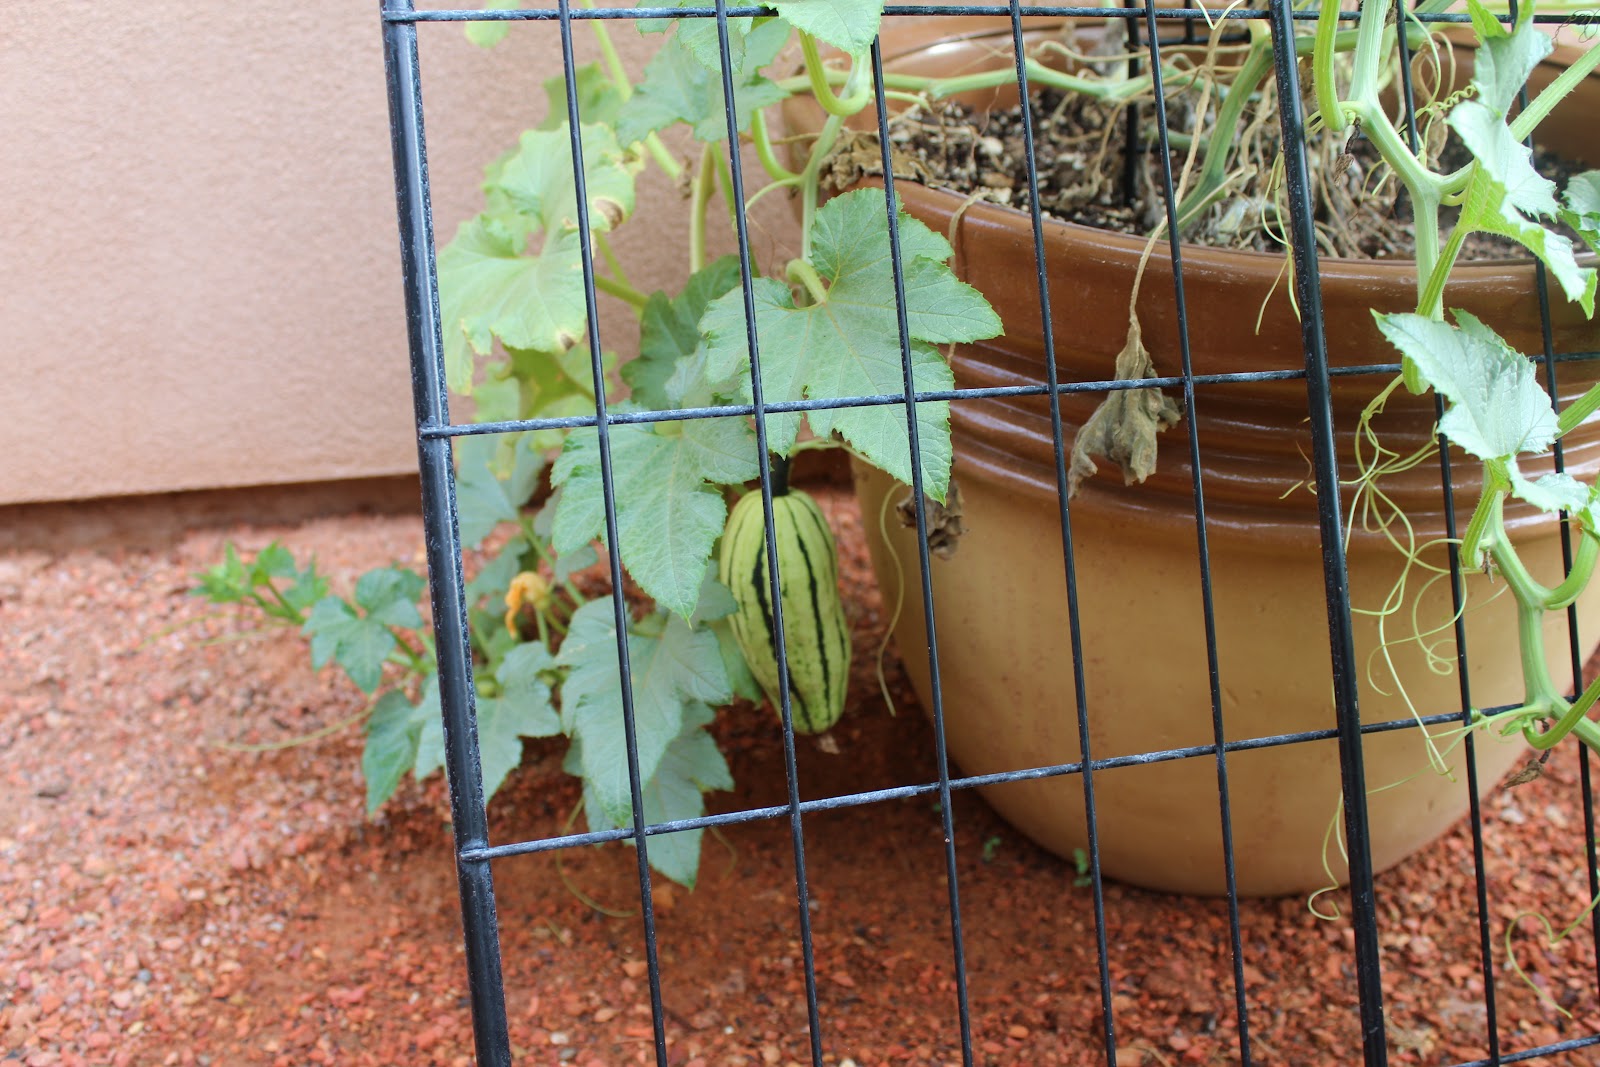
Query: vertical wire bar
(913, 438)
(619, 603)
(469, 821)
(1132, 148)
(1575, 646)
(1180, 303)
(1308, 287)
(774, 579)
(1080, 687)
(1459, 626)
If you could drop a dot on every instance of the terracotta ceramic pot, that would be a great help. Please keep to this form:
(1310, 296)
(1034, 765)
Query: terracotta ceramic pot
(1008, 680)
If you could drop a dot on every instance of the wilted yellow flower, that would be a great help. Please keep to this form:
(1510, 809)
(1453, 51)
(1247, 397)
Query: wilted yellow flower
(528, 587)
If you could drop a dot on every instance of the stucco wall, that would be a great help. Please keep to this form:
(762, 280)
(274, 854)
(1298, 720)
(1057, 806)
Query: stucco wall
(199, 267)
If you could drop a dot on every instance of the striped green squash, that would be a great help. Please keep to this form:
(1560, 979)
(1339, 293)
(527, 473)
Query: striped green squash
(817, 640)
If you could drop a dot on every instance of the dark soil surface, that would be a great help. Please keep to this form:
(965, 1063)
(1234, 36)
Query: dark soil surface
(1085, 175)
(173, 900)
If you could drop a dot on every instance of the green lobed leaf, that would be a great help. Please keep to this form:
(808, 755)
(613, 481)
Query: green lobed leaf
(488, 288)
(598, 98)
(523, 709)
(536, 180)
(848, 25)
(555, 385)
(274, 561)
(678, 87)
(225, 582)
(358, 644)
(389, 595)
(672, 671)
(1582, 207)
(489, 34)
(849, 345)
(1508, 196)
(1505, 56)
(669, 332)
(700, 36)
(232, 581)
(1497, 408)
(1551, 492)
(394, 733)
(497, 281)
(495, 476)
(669, 509)
(691, 767)
(307, 588)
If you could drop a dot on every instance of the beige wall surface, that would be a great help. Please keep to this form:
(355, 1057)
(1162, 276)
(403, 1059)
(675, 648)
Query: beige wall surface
(199, 263)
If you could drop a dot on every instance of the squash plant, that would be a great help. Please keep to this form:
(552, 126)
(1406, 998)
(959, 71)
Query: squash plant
(512, 299)
(514, 311)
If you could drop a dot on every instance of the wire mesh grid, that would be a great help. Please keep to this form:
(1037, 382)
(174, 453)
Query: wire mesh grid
(475, 852)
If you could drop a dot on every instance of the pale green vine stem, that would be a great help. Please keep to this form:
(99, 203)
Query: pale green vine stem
(1540, 693)
(608, 53)
(809, 180)
(725, 174)
(705, 177)
(1327, 89)
(804, 274)
(622, 291)
(769, 159)
(613, 264)
(1574, 413)
(856, 94)
(1577, 580)
(1552, 939)
(618, 75)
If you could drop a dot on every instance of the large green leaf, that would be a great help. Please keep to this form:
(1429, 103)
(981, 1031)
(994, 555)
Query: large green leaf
(848, 25)
(1496, 407)
(1505, 194)
(495, 476)
(1506, 56)
(515, 271)
(488, 288)
(673, 670)
(849, 344)
(677, 87)
(670, 510)
(537, 182)
(700, 36)
(690, 767)
(669, 332)
(395, 730)
(599, 101)
(1508, 196)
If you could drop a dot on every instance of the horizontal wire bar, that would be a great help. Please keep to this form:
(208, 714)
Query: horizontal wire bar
(879, 400)
(1537, 1052)
(902, 792)
(573, 422)
(900, 10)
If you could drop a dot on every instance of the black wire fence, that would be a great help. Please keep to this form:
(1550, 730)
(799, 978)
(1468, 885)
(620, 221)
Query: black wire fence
(1158, 27)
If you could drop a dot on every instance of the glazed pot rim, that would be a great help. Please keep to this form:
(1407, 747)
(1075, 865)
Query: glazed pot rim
(918, 37)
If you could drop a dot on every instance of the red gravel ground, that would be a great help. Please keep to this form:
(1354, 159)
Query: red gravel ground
(171, 900)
